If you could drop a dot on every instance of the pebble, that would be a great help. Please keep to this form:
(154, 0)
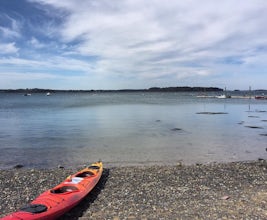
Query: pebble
(225, 197)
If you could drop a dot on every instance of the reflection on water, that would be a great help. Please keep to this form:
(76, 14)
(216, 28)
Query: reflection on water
(135, 128)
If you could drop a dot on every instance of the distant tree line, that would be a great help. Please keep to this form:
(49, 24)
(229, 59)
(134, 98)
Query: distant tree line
(185, 89)
(152, 89)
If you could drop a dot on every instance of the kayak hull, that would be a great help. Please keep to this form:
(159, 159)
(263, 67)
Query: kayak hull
(55, 202)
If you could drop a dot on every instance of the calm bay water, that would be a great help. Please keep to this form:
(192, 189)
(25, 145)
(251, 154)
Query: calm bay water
(72, 129)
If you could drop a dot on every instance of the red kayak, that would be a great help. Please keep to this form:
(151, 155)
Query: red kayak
(57, 201)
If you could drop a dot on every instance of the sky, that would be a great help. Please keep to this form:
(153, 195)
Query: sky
(133, 44)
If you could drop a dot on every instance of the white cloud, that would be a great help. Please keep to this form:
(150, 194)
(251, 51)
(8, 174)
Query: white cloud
(15, 76)
(19, 62)
(54, 64)
(12, 30)
(155, 39)
(8, 48)
(36, 43)
(8, 33)
(111, 30)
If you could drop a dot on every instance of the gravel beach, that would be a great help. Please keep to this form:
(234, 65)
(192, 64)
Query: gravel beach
(235, 190)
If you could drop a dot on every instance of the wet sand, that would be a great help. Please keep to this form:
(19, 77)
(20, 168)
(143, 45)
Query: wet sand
(216, 191)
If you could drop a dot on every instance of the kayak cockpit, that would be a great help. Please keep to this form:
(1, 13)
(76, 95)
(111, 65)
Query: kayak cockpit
(85, 174)
(34, 208)
(64, 189)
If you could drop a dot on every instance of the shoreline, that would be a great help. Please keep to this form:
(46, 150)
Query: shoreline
(202, 191)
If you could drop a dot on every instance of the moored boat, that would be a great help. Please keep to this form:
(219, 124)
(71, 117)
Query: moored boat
(261, 97)
(223, 96)
(55, 202)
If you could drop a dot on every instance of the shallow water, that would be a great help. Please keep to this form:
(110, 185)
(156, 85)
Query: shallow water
(72, 129)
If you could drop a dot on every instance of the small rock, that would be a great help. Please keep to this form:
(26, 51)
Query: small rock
(225, 198)
(60, 167)
(176, 129)
(179, 164)
(18, 166)
(255, 127)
